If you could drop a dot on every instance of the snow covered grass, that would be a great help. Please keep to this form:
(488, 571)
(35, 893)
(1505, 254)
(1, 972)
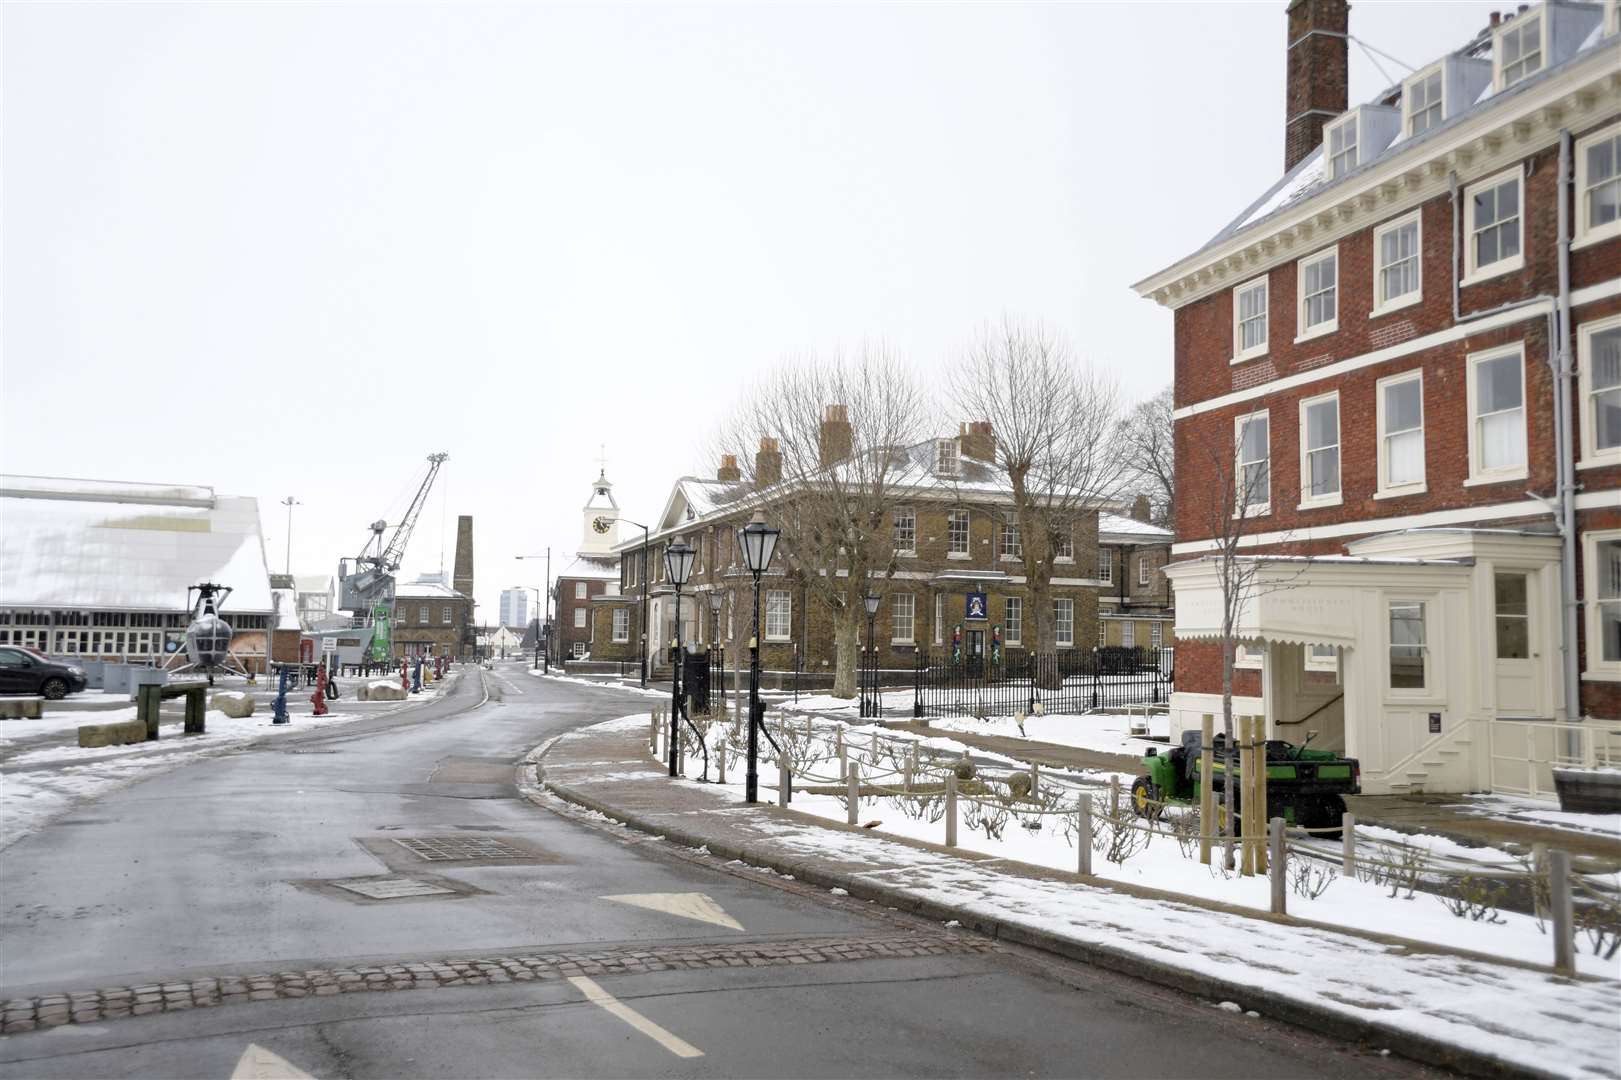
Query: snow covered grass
(1543, 812)
(1044, 834)
(1108, 733)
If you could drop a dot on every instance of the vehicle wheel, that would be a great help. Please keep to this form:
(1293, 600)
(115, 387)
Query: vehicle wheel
(1330, 815)
(54, 689)
(1145, 798)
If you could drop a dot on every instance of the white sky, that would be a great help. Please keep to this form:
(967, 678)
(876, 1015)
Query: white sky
(294, 248)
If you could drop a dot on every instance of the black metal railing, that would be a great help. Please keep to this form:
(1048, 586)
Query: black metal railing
(1065, 681)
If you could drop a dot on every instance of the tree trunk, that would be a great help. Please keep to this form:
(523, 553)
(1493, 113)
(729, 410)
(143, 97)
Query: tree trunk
(846, 653)
(1039, 593)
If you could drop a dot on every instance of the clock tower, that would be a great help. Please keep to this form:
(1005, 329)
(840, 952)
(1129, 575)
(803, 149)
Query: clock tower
(601, 521)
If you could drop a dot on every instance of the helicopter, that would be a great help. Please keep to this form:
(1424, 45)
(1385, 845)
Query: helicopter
(208, 637)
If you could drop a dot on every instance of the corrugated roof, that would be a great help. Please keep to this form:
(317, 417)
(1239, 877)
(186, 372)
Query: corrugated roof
(107, 545)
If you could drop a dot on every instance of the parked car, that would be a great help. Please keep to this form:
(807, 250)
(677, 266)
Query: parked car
(24, 672)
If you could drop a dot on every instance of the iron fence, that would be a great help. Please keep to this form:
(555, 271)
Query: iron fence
(1067, 681)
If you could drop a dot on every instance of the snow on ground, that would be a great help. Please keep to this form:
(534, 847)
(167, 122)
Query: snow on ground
(1108, 733)
(649, 691)
(1542, 812)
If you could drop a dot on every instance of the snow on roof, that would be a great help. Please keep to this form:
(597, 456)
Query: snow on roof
(316, 583)
(1118, 525)
(107, 545)
(426, 590)
(286, 609)
(593, 569)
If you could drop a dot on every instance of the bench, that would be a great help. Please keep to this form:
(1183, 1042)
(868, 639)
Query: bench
(149, 698)
(21, 707)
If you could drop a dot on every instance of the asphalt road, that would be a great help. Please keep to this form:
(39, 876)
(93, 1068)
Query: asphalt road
(229, 867)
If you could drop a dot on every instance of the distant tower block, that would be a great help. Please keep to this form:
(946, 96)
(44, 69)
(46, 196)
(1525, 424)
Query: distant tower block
(463, 580)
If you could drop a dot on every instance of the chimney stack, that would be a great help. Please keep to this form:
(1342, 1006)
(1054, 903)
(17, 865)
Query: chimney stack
(1142, 510)
(1497, 17)
(1318, 80)
(728, 473)
(835, 439)
(976, 440)
(767, 463)
(462, 578)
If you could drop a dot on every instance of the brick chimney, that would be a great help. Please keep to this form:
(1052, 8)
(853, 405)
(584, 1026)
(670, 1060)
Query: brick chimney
(834, 440)
(1318, 80)
(767, 463)
(1141, 510)
(977, 441)
(728, 473)
(462, 578)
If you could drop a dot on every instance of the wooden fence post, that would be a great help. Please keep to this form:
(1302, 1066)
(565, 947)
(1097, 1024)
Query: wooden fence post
(1539, 866)
(785, 781)
(853, 797)
(1348, 846)
(720, 761)
(1207, 792)
(1258, 760)
(1035, 781)
(907, 765)
(951, 809)
(1280, 863)
(1559, 900)
(1114, 795)
(653, 730)
(1246, 800)
(1083, 836)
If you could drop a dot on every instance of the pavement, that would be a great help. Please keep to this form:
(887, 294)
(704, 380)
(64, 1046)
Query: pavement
(392, 898)
(1382, 990)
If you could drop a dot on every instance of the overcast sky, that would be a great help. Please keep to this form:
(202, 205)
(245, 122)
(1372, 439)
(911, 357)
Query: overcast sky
(294, 248)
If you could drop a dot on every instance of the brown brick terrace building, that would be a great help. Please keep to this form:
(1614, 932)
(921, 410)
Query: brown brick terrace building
(1413, 341)
(430, 617)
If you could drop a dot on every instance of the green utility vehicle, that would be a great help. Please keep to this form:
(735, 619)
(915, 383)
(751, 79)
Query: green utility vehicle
(1306, 787)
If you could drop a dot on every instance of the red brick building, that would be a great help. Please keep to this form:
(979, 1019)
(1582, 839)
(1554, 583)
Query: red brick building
(1402, 364)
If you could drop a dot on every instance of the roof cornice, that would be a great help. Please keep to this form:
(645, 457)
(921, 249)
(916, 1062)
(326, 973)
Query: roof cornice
(1577, 97)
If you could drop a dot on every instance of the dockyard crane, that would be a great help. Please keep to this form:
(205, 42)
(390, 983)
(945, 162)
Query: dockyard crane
(367, 581)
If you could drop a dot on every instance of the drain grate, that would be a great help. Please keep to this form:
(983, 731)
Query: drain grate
(460, 848)
(392, 888)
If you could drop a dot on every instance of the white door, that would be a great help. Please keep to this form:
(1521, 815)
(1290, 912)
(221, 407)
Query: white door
(1519, 645)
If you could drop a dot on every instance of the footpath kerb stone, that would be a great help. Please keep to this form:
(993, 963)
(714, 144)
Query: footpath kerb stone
(637, 792)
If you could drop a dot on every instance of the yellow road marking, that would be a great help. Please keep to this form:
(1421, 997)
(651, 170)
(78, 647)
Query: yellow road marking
(687, 905)
(257, 1063)
(598, 996)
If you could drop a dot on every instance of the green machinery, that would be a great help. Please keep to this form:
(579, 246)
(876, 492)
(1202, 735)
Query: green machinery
(382, 638)
(1305, 787)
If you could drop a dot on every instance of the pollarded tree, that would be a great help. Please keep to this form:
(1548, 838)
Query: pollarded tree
(1055, 424)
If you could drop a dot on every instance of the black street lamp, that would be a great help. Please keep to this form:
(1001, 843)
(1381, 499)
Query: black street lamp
(716, 599)
(678, 565)
(758, 541)
(872, 601)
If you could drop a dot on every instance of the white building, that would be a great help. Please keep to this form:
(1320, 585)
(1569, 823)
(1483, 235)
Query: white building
(514, 607)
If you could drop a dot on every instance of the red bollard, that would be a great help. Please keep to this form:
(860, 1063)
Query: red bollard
(405, 675)
(318, 699)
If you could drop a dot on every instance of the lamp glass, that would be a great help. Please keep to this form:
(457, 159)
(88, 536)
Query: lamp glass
(871, 600)
(759, 542)
(716, 599)
(678, 562)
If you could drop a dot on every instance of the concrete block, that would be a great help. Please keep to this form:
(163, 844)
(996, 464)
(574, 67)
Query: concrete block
(120, 734)
(233, 703)
(384, 690)
(21, 708)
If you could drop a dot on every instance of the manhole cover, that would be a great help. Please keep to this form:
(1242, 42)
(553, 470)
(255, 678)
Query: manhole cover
(458, 848)
(391, 888)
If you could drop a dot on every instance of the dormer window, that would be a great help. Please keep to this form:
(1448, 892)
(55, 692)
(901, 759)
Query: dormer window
(1518, 50)
(1422, 102)
(945, 457)
(1341, 147)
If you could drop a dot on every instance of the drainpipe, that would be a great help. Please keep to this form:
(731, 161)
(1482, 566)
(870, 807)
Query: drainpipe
(1564, 376)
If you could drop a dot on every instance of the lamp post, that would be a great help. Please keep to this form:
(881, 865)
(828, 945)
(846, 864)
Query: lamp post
(678, 564)
(646, 588)
(716, 599)
(758, 541)
(872, 601)
(289, 502)
(545, 625)
(539, 626)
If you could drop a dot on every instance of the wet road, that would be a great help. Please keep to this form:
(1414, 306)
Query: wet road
(395, 852)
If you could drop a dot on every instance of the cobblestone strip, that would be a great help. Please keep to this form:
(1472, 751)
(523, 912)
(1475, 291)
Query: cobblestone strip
(92, 1006)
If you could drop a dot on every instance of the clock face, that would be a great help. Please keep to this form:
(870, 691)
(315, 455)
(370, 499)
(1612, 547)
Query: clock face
(601, 524)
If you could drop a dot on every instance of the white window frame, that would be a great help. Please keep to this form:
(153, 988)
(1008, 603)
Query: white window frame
(1327, 326)
(947, 457)
(1013, 620)
(1596, 668)
(1248, 657)
(579, 590)
(1156, 634)
(1478, 475)
(1591, 456)
(1308, 501)
(1434, 71)
(423, 616)
(1321, 663)
(786, 599)
(1432, 687)
(904, 520)
(939, 618)
(1383, 305)
(1473, 272)
(899, 619)
(1060, 639)
(1128, 633)
(1064, 549)
(1240, 354)
(1385, 490)
(1009, 527)
(579, 618)
(966, 552)
(621, 626)
(1142, 568)
(1586, 234)
(446, 617)
(1515, 26)
(1612, 17)
(578, 649)
(1261, 509)
(1106, 565)
(1330, 158)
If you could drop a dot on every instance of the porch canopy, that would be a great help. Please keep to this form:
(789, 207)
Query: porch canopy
(1294, 599)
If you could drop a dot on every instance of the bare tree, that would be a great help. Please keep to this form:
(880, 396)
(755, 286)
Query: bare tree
(837, 433)
(1146, 440)
(1054, 423)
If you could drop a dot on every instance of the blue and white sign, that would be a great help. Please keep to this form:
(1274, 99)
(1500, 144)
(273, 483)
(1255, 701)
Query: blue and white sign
(977, 608)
